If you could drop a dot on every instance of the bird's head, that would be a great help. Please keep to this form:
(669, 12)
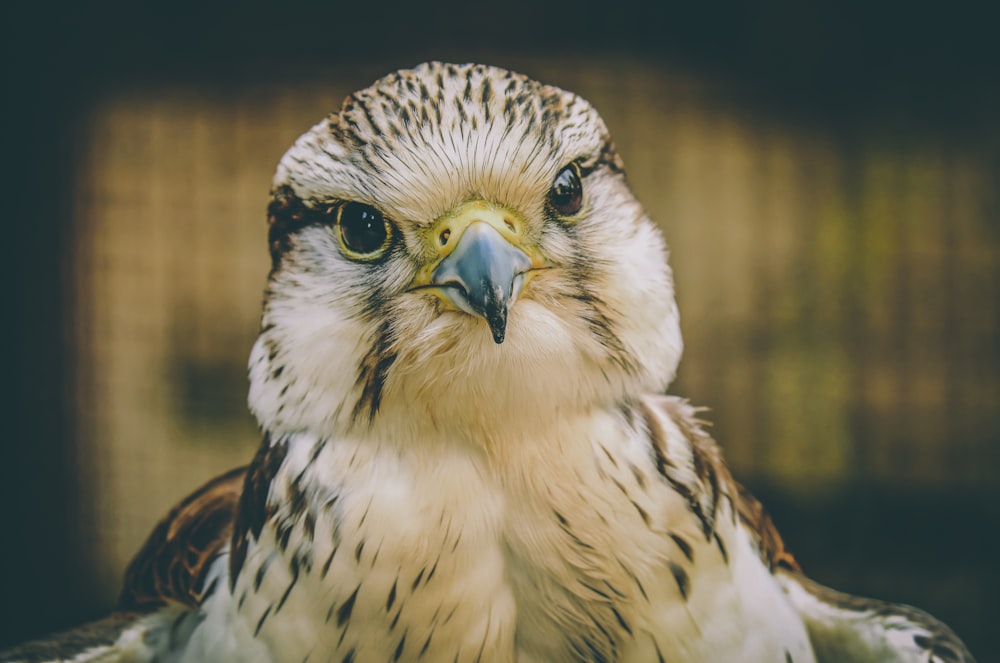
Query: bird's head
(455, 248)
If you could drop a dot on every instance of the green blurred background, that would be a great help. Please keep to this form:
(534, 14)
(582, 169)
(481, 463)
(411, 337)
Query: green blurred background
(826, 174)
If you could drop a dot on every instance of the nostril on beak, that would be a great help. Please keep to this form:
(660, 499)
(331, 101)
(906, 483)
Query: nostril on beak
(483, 275)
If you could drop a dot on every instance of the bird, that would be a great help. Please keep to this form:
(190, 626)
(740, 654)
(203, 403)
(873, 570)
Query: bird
(469, 453)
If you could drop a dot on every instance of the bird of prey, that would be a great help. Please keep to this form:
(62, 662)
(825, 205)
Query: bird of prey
(466, 338)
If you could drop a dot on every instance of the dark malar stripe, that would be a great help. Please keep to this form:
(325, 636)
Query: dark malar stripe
(372, 374)
(253, 508)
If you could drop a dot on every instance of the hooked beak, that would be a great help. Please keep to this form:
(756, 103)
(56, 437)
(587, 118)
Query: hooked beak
(482, 266)
(483, 276)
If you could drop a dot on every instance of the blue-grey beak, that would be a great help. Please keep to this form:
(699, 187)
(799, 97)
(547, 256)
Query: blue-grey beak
(483, 275)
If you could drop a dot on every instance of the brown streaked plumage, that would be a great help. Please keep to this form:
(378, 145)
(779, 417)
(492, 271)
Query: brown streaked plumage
(174, 561)
(764, 531)
(252, 509)
(467, 333)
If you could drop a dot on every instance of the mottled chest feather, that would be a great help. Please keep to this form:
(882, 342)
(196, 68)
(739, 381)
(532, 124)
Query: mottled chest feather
(456, 556)
(468, 321)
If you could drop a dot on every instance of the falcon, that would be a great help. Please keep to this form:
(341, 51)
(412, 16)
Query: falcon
(468, 456)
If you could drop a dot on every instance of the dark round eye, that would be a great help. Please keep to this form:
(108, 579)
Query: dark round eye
(566, 194)
(364, 232)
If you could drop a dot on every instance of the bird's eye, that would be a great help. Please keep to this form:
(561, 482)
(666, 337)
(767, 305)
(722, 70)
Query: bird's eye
(363, 230)
(566, 194)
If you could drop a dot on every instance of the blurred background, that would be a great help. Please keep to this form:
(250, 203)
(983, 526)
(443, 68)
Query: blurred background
(827, 175)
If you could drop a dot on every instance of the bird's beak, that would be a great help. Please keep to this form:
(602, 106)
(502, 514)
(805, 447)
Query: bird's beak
(481, 263)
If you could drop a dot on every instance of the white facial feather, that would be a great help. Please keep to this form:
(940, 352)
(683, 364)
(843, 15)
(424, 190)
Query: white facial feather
(345, 344)
(434, 487)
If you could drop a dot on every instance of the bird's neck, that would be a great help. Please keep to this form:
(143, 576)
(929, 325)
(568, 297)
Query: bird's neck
(519, 445)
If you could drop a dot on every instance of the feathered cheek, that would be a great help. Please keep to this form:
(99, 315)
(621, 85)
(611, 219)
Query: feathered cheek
(545, 323)
(424, 333)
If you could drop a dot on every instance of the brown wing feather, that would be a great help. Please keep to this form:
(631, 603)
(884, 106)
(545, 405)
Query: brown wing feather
(173, 563)
(714, 482)
(764, 531)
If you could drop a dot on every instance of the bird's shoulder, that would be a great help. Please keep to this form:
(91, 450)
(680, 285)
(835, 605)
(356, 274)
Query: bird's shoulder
(692, 462)
(173, 564)
(164, 583)
(842, 627)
